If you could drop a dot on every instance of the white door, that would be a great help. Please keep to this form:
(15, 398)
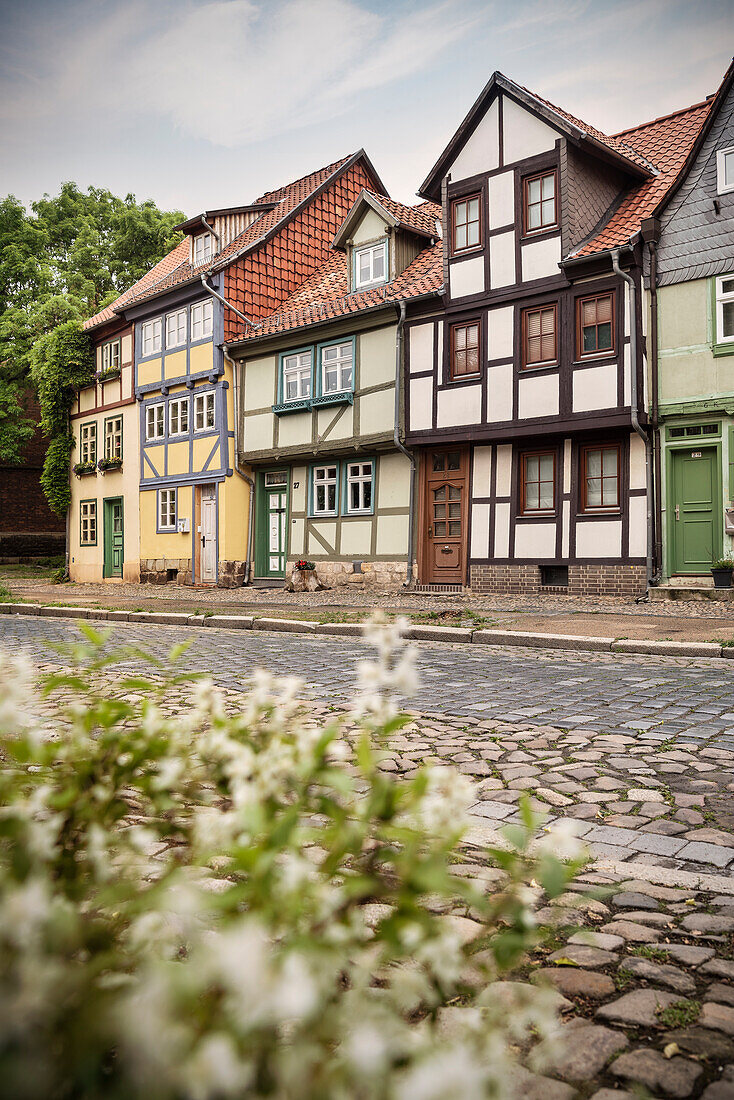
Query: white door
(208, 535)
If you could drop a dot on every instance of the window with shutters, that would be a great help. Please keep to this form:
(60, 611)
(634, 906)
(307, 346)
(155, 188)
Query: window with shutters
(466, 223)
(465, 342)
(540, 203)
(540, 336)
(537, 482)
(595, 333)
(600, 478)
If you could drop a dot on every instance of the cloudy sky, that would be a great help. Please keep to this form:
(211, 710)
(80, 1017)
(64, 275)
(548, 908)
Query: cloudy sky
(205, 103)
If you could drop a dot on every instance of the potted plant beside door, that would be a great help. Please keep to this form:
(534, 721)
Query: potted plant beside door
(722, 571)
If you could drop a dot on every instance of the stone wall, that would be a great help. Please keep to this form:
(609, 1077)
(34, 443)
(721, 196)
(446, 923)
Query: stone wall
(583, 580)
(374, 574)
(178, 571)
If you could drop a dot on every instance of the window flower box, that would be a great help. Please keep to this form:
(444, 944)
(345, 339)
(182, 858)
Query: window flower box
(109, 464)
(82, 469)
(109, 375)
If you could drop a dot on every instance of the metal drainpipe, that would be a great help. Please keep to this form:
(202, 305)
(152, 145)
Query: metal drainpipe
(398, 444)
(633, 406)
(220, 298)
(654, 361)
(212, 230)
(250, 481)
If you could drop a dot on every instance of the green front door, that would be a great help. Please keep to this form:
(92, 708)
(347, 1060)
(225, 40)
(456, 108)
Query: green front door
(113, 537)
(695, 512)
(273, 529)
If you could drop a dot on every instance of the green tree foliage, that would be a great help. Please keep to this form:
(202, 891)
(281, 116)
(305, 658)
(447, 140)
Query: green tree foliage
(62, 261)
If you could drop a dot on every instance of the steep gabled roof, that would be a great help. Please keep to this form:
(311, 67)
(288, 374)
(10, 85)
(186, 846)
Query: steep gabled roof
(278, 206)
(613, 149)
(419, 219)
(324, 295)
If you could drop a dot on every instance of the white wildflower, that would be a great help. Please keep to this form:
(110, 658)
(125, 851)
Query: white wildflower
(562, 841)
(215, 1070)
(444, 809)
(17, 696)
(445, 1075)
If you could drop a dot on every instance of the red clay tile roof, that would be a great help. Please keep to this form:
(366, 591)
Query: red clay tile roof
(175, 268)
(324, 295)
(665, 142)
(421, 218)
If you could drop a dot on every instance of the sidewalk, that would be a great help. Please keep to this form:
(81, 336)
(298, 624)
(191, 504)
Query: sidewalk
(559, 615)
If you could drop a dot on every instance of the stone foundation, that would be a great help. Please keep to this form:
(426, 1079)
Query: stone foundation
(178, 571)
(374, 574)
(583, 580)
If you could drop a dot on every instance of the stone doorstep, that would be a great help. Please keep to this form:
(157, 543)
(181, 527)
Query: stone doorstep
(450, 634)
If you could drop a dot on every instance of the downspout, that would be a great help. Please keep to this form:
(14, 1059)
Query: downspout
(634, 407)
(212, 230)
(250, 481)
(652, 245)
(396, 437)
(220, 298)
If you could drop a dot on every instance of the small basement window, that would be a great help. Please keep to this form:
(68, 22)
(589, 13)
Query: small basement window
(555, 576)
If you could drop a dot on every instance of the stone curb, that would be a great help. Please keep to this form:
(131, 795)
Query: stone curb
(456, 635)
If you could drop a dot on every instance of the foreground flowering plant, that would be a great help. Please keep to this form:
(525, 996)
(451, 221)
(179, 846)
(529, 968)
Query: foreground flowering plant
(216, 902)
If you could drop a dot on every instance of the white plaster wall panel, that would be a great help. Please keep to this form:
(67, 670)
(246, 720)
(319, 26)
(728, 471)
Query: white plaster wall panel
(595, 388)
(638, 526)
(87, 398)
(294, 430)
(356, 537)
(482, 473)
(344, 425)
(567, 465)
(260, 376)
(499, 392)
(627, 380)
(501, 200)
(258, 434)
(439, 342)
(535, 540)
(421, 348)
(466, 277)
(537, 396)
(565, 527)
(524, 134)
(502, 260)
(502, 530)
(296, 546)
(377, 411)
(626, 321)
(540, 259)
(480, 531)
(637, 462)
(600, 538)
(392, 535)
(377, 356)
(299, 488)
(462, 405)
(393, 482)
(328, 534)
(369, 227)
(421, 404)
(481, 152)
(504, 470)
(126, 348)
(501, 333)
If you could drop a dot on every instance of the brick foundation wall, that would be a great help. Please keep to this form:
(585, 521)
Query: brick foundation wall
(583, 580)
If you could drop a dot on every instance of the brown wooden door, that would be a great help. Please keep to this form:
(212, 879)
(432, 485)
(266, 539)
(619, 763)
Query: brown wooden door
(446, 515)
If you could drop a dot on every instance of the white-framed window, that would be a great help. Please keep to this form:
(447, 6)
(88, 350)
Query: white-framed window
(176, 328)
(370, 265)
(178, 416)
(725, 170)
(204, 415)
(337, 368)
(725, 309)
(323, 499)
(111, 356)
(113, 437)
(359, 477)
(88, 442)
(88, 522)
(166, 509)
(155, 421)
(202, 248)
(297, 376)
(151, 336)
(202, 318)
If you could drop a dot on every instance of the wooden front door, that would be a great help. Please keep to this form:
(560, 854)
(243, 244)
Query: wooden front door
(114, 537)
(273, 524)
(445, 515)
(696, 509)
(208, 534)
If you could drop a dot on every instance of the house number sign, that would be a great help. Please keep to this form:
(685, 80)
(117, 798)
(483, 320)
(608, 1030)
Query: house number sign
(695, 454)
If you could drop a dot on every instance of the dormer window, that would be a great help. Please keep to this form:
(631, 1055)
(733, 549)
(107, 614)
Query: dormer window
(466, 223)
(724, 170)
(370, 265)
(540, 206)
(202, 248)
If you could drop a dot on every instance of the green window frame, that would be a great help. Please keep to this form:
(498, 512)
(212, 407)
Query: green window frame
(114, 437)
(341, 365)
(88, 441)
(88, 522)
(719, 299)
(375, 252)
(325, 483)
(355, 481)
(302, 400)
